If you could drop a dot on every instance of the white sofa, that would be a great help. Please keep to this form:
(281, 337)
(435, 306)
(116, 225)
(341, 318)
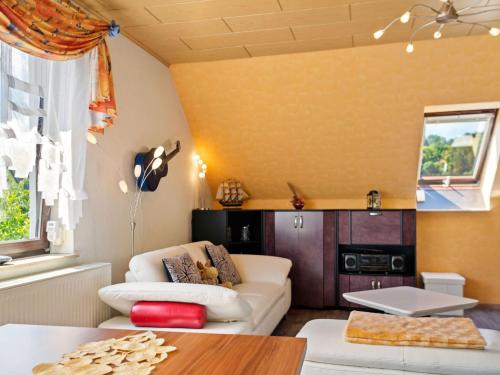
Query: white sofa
(255, 306)
(328, 354)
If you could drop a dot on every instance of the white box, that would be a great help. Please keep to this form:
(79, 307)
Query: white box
(444, 282)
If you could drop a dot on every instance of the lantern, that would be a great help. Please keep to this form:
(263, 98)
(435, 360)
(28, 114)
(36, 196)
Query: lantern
(373, 200)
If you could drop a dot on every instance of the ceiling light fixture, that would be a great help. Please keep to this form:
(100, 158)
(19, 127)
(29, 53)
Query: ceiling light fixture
(378, 34)
(437, 33)
(405, 17)
(494, 31)
(443, 16)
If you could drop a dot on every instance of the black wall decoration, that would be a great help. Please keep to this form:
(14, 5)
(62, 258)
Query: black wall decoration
(149, 179)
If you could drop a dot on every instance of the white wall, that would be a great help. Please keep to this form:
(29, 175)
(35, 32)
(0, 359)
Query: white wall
(149, 114)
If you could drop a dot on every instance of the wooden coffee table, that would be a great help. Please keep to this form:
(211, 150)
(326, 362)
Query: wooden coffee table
(409, 301)
(24, 346)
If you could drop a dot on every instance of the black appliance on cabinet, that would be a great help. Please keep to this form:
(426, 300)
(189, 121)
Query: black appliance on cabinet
(377, 259)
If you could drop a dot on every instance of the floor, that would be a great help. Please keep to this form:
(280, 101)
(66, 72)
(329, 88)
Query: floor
(485, 316)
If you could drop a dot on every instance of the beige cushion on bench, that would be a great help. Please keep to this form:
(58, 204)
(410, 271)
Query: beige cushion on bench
(326, 346)
(383, 329)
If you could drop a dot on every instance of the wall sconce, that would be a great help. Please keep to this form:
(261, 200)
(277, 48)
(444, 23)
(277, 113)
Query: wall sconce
(201, 171)
(201, 167)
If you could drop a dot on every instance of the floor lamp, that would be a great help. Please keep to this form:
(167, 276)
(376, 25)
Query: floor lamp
(153, 165)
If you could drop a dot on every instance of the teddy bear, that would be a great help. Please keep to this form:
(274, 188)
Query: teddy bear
(210, 275)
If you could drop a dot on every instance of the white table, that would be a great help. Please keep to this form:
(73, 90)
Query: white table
(409, 301)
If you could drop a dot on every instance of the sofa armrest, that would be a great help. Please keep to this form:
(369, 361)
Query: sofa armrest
(262, 268)
(222, 304)
(130, 278)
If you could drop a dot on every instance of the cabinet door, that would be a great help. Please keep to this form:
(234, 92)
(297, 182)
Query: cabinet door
(358, 283)
(286, 235)
(384, 228)
(209, 226)
(389, 281)
(409, 281)
(343, 288)
(308, 266)
(393, 281)
(344, 227)
(286, 244)
(329, 258)
(409, 227)
(269, 248)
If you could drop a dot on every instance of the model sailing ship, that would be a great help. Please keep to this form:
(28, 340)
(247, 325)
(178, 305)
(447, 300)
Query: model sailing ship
(231, 194)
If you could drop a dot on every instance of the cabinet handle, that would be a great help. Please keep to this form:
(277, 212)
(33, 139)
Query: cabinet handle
(373, 284)
(295, 222)
(301, 221)
(379, 284)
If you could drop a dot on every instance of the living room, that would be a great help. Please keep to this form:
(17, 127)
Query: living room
(249, 187)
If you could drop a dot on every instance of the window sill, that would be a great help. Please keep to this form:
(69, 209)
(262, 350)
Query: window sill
(453, 199)
(31, 265)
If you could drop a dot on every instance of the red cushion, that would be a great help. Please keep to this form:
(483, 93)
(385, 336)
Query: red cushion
(168, 314)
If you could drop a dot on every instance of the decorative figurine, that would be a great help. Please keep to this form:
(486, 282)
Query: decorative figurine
(373, 199)
(297, 201)
(231, 194)
(245, 233)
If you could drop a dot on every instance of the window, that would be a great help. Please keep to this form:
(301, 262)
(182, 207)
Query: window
(22, 214)
(454, 147)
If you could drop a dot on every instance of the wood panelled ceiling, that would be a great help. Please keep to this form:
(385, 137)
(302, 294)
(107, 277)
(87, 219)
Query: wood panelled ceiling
(179, 31)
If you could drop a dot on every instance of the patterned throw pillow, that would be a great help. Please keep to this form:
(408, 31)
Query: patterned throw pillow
(222, 261)
(181, 269)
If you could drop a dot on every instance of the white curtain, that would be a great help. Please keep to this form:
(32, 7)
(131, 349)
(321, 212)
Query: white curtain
(65, 89)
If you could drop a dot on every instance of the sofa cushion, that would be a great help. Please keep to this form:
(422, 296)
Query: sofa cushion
(261, 297)
(222, 261)
(147, 267)
(325, 344)
(168, 314)
(222, 304)
(384, 329)
(262, 268)
(181, 269)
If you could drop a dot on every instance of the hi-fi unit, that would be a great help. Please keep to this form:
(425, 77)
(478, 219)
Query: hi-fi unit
(373, 263)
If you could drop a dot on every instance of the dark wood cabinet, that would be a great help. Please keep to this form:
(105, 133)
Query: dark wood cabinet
(344, 287)
(384, 227)
(357, 283)
(315, 242)
(209, 226)
(330, 258)
(409, 227)
(223, 227)
(298, 236)
(376, 228)
(269, 248)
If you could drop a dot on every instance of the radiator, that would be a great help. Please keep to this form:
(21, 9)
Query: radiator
(65, 297)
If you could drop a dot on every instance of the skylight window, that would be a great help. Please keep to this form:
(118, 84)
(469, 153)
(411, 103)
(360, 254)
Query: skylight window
(454, 146)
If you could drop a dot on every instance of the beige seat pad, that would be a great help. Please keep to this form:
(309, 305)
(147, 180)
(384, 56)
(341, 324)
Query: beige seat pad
(381, 329)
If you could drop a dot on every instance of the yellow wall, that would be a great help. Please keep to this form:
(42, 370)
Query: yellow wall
(467, 243)
(340, 123)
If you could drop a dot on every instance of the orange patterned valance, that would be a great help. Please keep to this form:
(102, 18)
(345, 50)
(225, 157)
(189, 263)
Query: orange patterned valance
(60, 30)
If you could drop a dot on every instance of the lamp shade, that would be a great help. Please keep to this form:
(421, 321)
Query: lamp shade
(159, 151)
(156, 164)
(91, 138)
(137, 170)
(123, 186)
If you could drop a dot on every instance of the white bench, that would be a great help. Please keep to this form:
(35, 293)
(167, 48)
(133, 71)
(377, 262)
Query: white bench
(328, 354)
